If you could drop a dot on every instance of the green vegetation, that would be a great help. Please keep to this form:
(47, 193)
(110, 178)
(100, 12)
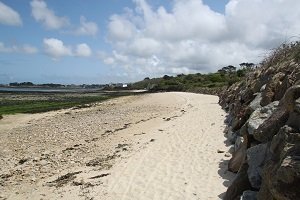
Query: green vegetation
(39, 102)
(193, 82)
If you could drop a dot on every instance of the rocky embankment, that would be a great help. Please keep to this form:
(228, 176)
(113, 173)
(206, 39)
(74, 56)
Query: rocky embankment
(264, 129)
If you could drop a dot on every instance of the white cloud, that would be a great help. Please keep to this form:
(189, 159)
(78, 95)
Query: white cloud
(191, 37)
(120, 29)
(86, 28)
(25, 48)
(55, 48)
(188, 19)
(83, 50)
(8, 16)
(47, 17)
(263, 23)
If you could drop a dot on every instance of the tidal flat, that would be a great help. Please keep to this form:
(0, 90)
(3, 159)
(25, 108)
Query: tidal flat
(36, 102)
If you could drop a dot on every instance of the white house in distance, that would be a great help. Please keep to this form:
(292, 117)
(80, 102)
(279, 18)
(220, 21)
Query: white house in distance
(118, 85)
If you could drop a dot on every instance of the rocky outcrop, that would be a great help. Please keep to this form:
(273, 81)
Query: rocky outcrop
(264, 110)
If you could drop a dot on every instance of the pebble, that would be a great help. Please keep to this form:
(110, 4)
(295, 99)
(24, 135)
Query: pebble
(220, 151)
(227, 155)
(43, 162)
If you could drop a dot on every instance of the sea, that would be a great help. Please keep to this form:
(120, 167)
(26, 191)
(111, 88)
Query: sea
(50, 90)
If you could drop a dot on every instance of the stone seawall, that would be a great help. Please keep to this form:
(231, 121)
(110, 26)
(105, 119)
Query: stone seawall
(264, 127)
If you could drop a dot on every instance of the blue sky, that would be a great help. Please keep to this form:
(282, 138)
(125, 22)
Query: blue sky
(104, 41)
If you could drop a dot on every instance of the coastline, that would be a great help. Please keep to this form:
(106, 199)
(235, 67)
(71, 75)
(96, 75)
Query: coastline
(153, 146)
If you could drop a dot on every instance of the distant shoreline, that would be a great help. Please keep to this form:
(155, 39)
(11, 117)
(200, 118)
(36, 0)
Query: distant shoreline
(46, 89)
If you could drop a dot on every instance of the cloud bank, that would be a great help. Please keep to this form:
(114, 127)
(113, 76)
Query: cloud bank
(25, 48)
(191, 37)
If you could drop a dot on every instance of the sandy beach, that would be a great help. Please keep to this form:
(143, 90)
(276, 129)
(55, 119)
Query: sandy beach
(154, 146)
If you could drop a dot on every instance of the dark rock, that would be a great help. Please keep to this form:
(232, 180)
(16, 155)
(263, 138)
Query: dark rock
(268, 95)
(238, 157)
(297, 106)
(23, 160)
(270, 127)
(282, 87)
(244, 130)
(227, 155)
(231, 136)
(290, 98)
(121, 146)
(294, 120)
(239, 184)
(238, 142)
(247, 96)
(220, 151)
(256, 158)
(272, 134)
(235, 124)
(249, 195)
(281, 177)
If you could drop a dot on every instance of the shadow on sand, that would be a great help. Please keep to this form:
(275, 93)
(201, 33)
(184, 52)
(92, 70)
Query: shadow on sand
(223, 168)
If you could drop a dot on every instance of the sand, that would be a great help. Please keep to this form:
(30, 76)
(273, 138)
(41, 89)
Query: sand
(153, 146)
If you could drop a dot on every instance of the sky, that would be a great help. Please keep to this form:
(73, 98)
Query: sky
(104, 41)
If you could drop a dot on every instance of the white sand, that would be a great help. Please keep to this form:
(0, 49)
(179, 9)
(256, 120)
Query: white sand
(171, 154)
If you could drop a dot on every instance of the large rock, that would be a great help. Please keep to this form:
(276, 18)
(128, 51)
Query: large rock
(231, 136)
(260, 115)
(282, 87)
(290, 98)
(271, 126)
(256, 157)
(238, 157)
(297, 105)
(281, 174)
(246, 96)
(294, 120)
(268, 95)
(238, 142)
(249, 195)
(255, 104)
(239, 184)
(266, 131)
